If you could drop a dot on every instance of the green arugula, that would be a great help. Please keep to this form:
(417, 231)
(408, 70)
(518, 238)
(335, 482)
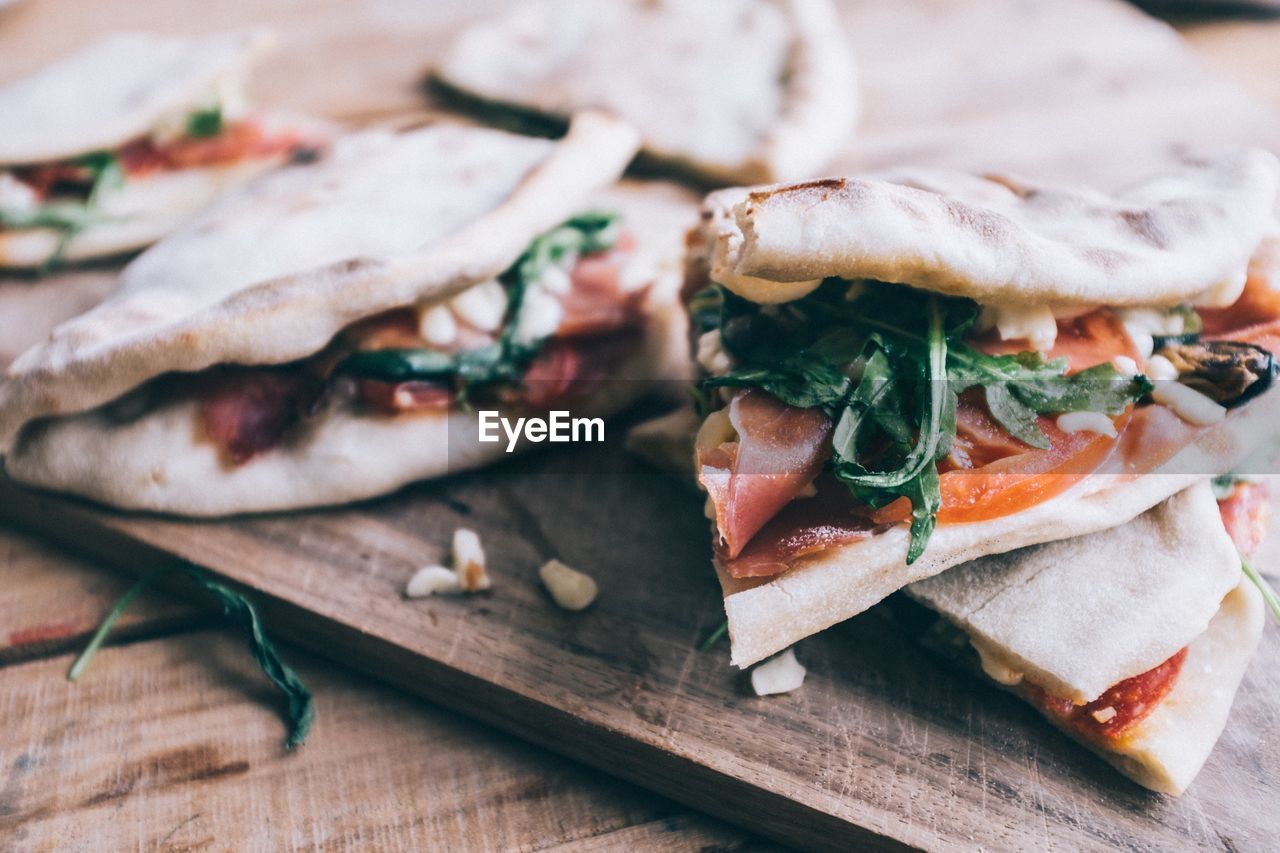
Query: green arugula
(69, 218)
(1269, 595)
(507, 358)
(301, 709)
(887, 364)
(709, 642)
(203, 124)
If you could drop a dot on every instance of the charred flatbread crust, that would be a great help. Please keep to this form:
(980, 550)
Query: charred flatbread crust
(1187, 236)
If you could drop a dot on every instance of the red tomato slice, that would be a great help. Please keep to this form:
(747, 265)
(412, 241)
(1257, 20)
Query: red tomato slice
(238, 141)
(1084, 341)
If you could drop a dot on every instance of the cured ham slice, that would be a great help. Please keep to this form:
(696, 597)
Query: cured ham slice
(779, 451)
(805, 526)
(249, 410)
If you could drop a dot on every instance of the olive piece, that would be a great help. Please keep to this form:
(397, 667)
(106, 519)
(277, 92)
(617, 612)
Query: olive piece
(1227, 372)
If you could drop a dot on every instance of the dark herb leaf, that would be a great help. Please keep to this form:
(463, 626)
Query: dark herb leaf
(203, 124)
(507, 359)
(301, 709)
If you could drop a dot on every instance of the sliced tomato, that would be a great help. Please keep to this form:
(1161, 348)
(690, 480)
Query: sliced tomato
(248, 410)
(1084, 341)
(1246, 513)
(237, 141)
(569, 369)
(1109, 717)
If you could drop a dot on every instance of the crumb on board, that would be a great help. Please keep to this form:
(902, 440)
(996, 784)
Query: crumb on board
(569, 588)
(781, 673)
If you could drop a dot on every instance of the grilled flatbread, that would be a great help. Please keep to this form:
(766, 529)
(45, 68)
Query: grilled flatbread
(1073, 619)
(1114, 286)
(295, 265)
(109, 149)
(744, 90)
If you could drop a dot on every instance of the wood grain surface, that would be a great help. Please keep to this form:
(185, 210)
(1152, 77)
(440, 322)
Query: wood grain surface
(882, 746)
(157, 748)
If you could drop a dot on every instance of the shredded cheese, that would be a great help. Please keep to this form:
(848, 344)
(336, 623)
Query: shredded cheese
(1125, 365)
(1103, 715)
(1161, 369)
(555, 278)
(1087, 422)
(994, 664)
(482, 306)
(1188, 403)
(780, 674)
(711, 355)
(15, 196)
(540, 316)
(437, 325)
(1032, 323)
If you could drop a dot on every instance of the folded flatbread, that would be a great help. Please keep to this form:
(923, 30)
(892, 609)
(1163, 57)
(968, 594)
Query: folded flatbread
(306, 340)
(906, 372)
(109, 149)
(1132, 640)
(736, 91)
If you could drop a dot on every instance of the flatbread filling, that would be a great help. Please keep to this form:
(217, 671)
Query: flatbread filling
(71, 194)
(546, 333)
(863, 405)
(1106, 721)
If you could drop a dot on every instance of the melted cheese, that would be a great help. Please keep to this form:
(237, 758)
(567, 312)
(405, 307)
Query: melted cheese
(1035, 324)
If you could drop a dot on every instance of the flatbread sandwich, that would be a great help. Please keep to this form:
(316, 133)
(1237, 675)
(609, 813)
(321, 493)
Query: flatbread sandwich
(906, 372)
(107, 150)
(330, 332)
(1132, 640)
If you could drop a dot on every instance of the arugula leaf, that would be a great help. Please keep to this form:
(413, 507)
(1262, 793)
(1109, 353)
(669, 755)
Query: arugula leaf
(301, 709)
(714, 637)
(1269, 595)
(887, 363)
(507, 358)
(205, 123)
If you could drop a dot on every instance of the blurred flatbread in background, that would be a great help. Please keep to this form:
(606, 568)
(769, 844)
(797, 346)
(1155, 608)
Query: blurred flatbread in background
(737, 91)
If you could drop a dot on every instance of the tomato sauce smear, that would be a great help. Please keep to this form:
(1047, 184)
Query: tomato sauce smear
(1112, 715)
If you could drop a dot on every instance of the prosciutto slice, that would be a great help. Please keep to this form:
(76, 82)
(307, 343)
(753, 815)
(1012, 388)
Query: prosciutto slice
(249, 410)
(805, 526)
(779, 451)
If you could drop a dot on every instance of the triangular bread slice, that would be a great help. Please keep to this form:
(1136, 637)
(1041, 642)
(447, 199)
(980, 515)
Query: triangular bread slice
(736, 90)
(1078, 616)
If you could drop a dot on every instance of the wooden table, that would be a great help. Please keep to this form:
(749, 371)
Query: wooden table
(170, 741)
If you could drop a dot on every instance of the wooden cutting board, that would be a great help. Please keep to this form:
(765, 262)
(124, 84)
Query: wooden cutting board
(882, 747)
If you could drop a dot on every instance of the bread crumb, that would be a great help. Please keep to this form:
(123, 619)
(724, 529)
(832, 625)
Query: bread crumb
(433, 580)
(570, 588)
(780, 674)
(469, 560)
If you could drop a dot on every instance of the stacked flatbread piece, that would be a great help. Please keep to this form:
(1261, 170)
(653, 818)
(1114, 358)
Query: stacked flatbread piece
(906, 375)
